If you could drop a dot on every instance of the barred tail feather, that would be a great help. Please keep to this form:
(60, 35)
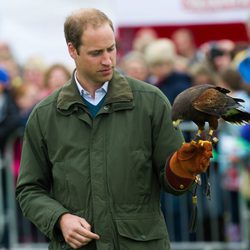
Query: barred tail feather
(237, 117)
(238, 100)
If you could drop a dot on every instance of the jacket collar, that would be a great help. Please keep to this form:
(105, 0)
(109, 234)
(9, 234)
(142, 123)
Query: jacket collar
(118, 91)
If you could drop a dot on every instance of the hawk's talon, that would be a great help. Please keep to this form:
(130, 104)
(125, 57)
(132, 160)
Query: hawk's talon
(200, 142)
(193, 142)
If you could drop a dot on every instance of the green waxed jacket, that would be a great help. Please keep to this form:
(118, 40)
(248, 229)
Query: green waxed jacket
(108, 170)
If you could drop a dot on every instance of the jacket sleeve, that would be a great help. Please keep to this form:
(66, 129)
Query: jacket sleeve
(177, 183)
(166, 140)
(35, 181)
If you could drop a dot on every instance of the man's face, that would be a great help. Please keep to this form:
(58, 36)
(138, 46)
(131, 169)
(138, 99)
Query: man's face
(97, 55)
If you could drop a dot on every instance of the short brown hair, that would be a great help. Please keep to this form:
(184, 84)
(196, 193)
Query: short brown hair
(232, 78)
(78, 21)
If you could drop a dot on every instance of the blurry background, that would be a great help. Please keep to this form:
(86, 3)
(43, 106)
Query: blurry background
(36, 27)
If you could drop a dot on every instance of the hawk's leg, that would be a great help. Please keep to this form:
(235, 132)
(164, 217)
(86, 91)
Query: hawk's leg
(211, 136)
(213, 125)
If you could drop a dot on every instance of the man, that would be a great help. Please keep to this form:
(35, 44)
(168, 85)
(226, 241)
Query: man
(94, 153)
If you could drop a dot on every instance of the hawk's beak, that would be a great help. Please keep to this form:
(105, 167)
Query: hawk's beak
(176, 123)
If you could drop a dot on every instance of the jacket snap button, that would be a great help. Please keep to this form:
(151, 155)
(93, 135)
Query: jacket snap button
(106, 107)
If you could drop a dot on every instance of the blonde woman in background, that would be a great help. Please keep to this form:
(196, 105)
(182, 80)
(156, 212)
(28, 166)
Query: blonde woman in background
(55, 76)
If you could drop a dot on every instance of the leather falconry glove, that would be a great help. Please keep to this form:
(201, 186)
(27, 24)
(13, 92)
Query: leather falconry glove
(191, 159)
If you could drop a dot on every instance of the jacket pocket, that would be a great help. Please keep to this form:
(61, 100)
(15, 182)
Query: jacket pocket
(136, 234)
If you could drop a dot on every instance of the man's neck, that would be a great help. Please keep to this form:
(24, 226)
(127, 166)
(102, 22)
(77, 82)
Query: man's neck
(90, 87)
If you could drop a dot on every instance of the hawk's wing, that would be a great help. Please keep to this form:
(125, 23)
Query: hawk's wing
(214, 102)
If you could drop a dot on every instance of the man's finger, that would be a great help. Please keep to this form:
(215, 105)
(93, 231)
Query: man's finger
(75, 243)
(85, 224)
(91, 235)
(81, 238)
(87, 233)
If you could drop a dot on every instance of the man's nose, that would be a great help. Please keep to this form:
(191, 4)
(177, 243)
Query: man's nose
(106, 59)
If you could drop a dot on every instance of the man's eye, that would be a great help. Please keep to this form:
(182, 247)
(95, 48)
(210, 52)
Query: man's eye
(95, 53)
(111, 49)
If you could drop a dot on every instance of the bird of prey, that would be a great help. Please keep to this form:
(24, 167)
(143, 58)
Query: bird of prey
(207, 103)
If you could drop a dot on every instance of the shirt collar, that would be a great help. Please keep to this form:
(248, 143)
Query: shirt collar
(82, 91)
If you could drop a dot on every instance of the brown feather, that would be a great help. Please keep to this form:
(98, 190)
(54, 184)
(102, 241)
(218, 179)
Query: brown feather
(214, 102)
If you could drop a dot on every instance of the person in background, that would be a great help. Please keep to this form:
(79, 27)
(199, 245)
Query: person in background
(9, 119)
(181, 65)
(219, 55)
(160, 56)
(201, 74)
(134, 64)
(26, 98)
(231, 79)
(143, 38)
(243, 60)
(244, 68)
(89, 178)
(55, 76)
(33, 73)
(233, 152)
(9, 122)
(9, 64)
(185, 46)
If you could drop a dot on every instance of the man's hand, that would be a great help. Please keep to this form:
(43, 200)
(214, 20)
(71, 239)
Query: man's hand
(76, 230)
(191, 159)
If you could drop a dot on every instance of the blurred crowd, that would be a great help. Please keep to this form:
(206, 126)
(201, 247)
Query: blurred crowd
(176, 63)
(172, 64)
(23, 86)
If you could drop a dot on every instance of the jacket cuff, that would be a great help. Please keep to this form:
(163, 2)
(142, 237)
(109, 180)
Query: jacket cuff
(176, 182)
(56, 233)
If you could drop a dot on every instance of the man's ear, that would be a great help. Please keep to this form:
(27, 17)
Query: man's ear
(72, 50)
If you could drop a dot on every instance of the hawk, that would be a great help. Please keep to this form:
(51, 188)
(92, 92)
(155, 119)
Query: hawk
(208, 103)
